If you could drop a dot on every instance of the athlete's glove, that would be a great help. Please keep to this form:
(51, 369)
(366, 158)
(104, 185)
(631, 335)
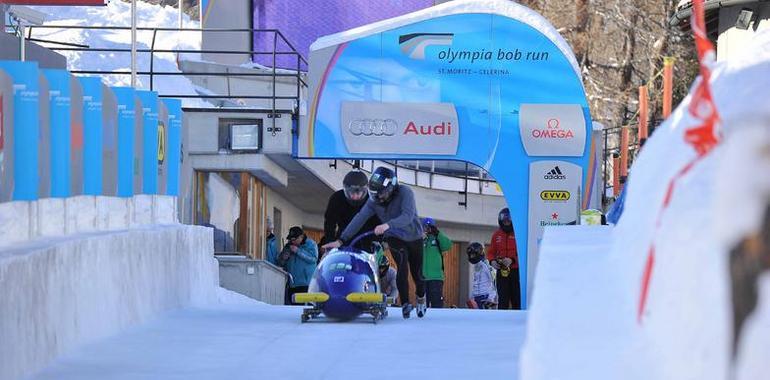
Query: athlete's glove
(495, 264)
(507, 262)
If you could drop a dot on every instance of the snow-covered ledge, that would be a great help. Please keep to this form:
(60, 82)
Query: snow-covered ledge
(22, 221)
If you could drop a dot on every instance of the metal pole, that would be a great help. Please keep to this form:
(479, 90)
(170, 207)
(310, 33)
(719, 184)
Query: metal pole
(579, 206)
(181, 12)
(22, 47)
(133, 43)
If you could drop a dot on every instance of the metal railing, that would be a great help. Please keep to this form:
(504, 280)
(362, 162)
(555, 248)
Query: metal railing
(274, 73)
(482, 180)
(612, 135)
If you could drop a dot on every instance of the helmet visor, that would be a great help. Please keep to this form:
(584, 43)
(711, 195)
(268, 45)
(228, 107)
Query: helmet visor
(355, 192)
(382, 195)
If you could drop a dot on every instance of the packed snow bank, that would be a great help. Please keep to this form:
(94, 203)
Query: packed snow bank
(576, 327)
(59, 293)
(714, 219)
(118, 13)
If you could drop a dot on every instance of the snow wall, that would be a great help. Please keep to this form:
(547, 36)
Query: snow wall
(712, 256)
(89, 240)
(63, 291)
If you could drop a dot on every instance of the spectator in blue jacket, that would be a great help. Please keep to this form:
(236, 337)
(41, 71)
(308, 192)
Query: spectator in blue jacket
(301, 255)
(271, 246)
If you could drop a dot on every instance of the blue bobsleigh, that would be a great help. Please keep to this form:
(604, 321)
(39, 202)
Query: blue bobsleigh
(344, 286)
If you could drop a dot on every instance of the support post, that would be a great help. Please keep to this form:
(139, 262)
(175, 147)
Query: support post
(668, 85)
(181, 12)
(133, 43)
(615, 175)
(643, 112)
(22, 44)
(624, 151)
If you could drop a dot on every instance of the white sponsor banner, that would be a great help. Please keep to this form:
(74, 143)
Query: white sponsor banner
(552, 129)
(553, 201)
(407, 128)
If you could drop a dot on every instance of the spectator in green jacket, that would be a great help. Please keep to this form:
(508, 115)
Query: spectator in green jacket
(434, 245)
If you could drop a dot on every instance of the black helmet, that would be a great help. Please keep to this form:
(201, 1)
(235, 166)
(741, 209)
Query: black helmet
(505, 215)
(475, 252)
(382, 185)
(354, 186)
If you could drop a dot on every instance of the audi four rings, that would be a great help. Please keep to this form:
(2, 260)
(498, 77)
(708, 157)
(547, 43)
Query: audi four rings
(372, 127)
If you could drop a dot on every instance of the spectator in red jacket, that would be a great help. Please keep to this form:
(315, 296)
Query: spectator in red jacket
(504, 258)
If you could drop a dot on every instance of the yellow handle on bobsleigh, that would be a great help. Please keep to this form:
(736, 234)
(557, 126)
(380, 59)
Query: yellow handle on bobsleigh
(309, 297)
(366, 297)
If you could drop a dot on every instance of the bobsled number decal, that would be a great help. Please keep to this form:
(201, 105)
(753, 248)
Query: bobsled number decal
(339, 279)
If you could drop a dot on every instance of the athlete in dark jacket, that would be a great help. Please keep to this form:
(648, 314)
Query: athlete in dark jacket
(344, 205)
(395, 206)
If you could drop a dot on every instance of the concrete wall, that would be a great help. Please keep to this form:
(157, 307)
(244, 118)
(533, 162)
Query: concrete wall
(291, 215)
(200, 152)
(62, 292)
(202, 131)
(230, 14)
(47, 59)
(732, 41)
(243, 85)
(256, 279)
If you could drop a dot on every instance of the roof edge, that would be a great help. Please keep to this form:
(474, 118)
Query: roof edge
(505, 8)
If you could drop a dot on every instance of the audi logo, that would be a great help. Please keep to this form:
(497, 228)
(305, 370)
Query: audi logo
(372, 127)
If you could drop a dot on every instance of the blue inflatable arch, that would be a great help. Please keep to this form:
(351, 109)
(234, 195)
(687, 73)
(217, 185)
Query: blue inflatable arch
(491, 83)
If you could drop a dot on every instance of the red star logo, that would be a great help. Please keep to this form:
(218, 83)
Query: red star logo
(555, 216)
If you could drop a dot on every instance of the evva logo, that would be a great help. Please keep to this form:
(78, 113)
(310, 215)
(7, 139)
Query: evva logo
(554, 195)
(413, 45)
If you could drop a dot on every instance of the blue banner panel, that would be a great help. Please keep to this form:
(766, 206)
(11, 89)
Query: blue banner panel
(59, 98)
(92, 135)
(26, 128)
(149, 141)
(126, 98)
(174, 145)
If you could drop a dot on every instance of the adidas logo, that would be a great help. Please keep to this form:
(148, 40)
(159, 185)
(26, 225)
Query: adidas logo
(555, 173)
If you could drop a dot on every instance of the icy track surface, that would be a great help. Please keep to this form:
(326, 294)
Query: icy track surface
(256, 341)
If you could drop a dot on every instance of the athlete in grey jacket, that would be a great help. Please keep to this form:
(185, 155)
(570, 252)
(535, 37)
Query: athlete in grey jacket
(395, 207)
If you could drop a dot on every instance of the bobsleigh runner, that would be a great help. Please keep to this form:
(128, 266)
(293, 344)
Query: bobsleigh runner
(345, 285)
